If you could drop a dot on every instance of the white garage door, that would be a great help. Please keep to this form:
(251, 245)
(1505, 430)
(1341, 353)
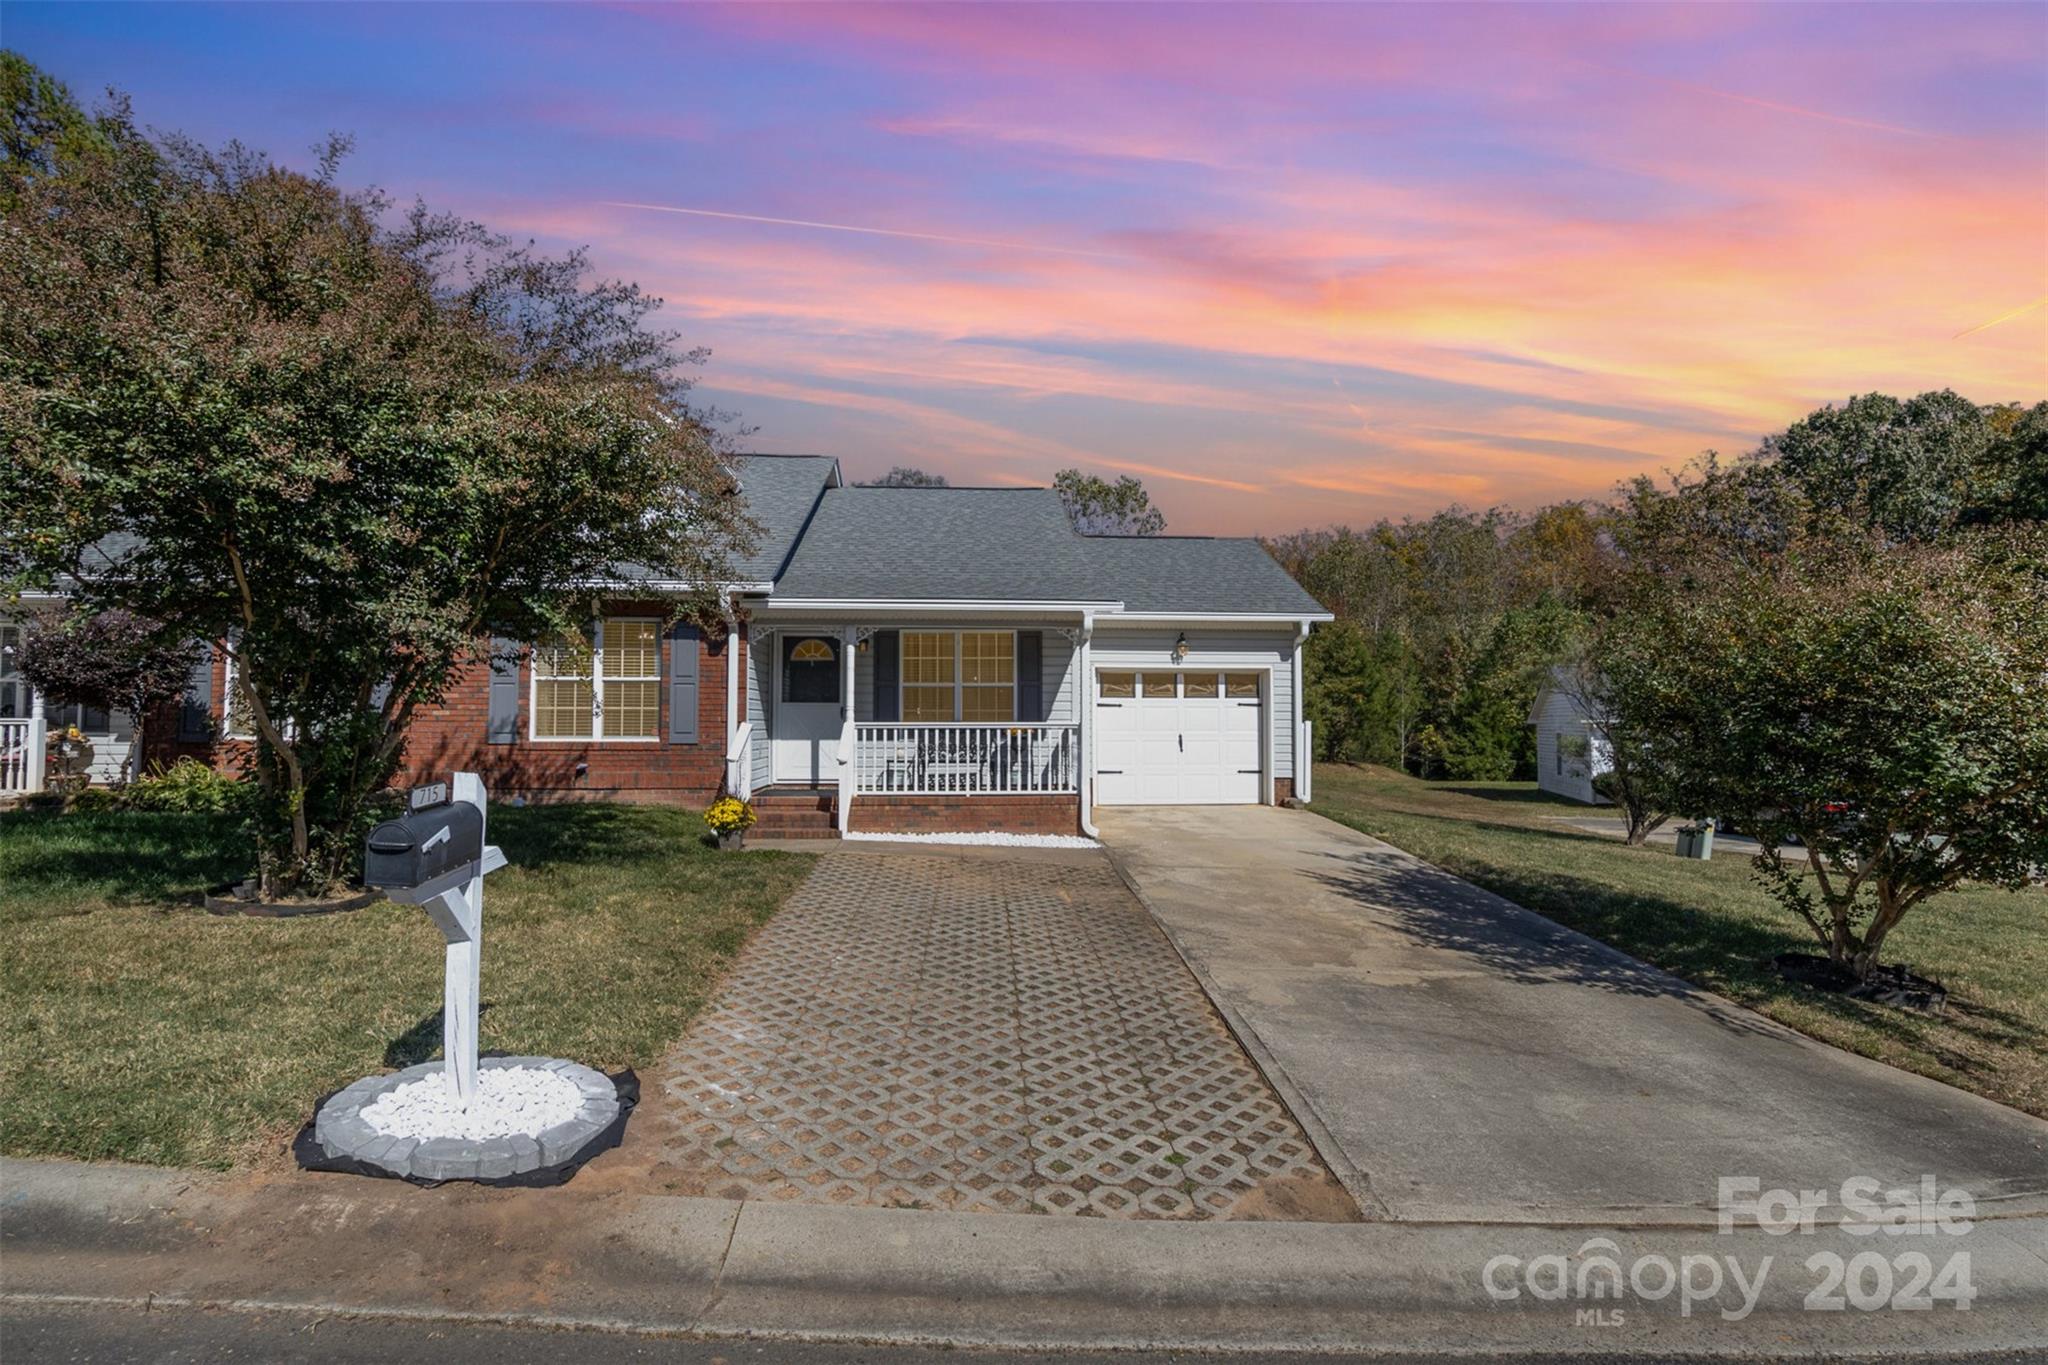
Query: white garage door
(1178, 738)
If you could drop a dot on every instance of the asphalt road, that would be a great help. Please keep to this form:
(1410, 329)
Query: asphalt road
(90, 1335)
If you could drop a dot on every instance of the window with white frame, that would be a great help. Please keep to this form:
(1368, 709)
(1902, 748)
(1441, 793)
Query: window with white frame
(606, 688)
(239, 719)
(958, 675)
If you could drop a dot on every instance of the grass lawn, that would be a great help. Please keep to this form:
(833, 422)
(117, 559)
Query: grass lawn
(1713, 925)
(141, 1028)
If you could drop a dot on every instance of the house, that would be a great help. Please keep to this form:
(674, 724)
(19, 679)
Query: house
(1570, 750)
(893, 659)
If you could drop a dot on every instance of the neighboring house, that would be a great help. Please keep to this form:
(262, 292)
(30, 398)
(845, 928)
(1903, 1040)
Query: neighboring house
(901, 659)
(1570, 750)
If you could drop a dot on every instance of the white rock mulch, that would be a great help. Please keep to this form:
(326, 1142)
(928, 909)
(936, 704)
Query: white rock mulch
(1000, 840)
(512, 1099)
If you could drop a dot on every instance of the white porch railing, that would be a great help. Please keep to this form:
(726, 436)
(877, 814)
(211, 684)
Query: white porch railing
(21, 755)
(957, 760)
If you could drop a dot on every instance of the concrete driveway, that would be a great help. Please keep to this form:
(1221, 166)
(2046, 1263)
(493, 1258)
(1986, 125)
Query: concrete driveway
(1459, 1058)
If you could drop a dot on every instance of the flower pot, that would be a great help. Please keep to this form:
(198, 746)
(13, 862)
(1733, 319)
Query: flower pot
(732, 839)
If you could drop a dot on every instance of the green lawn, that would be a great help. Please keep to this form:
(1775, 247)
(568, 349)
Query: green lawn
(1711, 924)
(141, 1028)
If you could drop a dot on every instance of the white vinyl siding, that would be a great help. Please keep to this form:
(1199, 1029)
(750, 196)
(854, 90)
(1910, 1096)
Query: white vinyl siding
(1558, 716)
(761, 649)
(1150, 650)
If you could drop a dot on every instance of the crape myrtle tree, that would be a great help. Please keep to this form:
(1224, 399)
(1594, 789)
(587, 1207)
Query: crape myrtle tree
(1885, 706)
(108, 660)
(348, 443)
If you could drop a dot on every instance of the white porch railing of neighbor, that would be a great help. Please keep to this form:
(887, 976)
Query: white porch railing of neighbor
(21, 756)
(949, 760)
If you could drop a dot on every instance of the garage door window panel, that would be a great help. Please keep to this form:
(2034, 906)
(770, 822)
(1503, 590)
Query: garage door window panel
(1158, 685)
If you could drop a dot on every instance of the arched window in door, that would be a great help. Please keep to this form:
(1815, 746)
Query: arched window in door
(810, 669)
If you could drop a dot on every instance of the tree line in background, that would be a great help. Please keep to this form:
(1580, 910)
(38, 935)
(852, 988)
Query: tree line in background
(1449, 626)
(1838, 642)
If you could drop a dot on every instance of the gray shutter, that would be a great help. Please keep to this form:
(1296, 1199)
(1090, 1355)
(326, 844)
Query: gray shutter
(502, 723)
(887, 645)
(683, 662)
(195, 708)
(1030, 675)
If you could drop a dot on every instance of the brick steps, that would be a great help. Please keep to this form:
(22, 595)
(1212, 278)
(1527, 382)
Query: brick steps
(794, 813)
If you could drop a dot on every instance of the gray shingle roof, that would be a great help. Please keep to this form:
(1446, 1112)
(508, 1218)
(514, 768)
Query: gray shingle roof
(1017, 545)
(780, 491)
(1197, 574)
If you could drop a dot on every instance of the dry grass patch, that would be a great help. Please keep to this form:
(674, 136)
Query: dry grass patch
(142, 1028)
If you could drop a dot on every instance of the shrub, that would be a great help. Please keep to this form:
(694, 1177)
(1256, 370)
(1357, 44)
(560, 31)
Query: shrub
(186, 786)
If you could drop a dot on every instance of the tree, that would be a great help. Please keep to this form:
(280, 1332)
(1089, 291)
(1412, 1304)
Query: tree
(1635, 778)
(347, 444)
(109, 660)
(1886, 706)
(1486, 736)
(2017, 464)
(1911, 469)
(1101, 508)
(903, 476)
(1362, 694)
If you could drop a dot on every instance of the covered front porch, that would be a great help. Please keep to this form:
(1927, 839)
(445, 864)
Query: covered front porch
(918, 721)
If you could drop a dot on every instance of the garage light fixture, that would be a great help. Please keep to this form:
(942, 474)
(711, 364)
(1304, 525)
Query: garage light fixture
(1180, 648)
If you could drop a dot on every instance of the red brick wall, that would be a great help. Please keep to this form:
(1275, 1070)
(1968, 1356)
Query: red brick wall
(1283, 790)
(450, 738)
(966, 814)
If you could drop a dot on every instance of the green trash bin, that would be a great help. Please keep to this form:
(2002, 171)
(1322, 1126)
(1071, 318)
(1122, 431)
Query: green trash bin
(1696, 840)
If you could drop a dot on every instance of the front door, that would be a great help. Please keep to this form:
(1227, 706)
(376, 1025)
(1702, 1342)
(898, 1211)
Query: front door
(807, 712)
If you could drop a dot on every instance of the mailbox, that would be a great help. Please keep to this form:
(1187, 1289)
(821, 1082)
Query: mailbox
(425, 844)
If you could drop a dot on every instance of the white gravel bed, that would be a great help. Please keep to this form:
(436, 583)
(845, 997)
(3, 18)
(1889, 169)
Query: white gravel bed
(511, 1099)
(1000, 840)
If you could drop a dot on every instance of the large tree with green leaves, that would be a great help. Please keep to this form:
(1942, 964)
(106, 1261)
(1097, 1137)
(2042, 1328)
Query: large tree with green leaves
(350, 443)
(1884, 706)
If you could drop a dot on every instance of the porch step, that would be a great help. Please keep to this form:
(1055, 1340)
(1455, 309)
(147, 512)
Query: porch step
(795, 813)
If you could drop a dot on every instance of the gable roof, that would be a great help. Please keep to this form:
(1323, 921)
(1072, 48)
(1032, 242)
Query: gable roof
(780, 492)
(1018, 545)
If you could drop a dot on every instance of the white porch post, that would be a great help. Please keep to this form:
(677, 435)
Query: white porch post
(1302, 758)
(735, 680)
(38, 741)
(851, 642)
(1084, 710)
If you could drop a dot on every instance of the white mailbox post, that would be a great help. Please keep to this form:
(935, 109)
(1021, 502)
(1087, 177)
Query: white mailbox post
(454, 898)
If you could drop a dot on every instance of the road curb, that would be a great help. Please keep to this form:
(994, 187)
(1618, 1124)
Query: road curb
(658, 1265)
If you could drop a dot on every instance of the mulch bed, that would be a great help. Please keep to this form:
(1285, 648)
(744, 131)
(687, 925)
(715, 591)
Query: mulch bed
(1888, 985)
(230, 900)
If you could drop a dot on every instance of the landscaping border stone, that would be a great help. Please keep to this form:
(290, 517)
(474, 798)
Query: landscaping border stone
(342, 1139)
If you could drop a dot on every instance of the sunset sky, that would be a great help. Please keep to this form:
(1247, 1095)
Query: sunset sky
(1292, 266)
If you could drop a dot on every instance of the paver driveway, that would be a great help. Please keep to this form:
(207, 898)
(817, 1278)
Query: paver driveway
(978, 1033)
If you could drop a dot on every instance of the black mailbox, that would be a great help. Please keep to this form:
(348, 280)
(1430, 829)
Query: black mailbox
(423, 844)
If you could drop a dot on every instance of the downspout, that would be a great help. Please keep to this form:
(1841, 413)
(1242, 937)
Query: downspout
(1302, 759)
(1084, 698)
